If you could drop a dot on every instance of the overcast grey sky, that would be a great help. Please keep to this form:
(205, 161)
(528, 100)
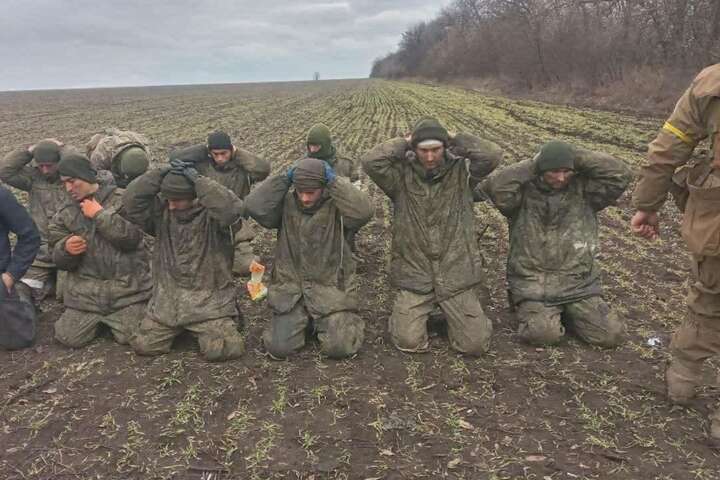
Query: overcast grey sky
(90, 43)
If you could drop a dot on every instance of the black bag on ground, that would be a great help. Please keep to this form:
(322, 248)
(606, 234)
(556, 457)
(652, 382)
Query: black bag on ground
(18, 321)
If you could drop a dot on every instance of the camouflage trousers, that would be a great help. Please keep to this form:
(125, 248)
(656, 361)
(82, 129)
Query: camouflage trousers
(76, 328)
(590, 319)
(698, 337)
(340, 334)
(219, 338)
(469, 329)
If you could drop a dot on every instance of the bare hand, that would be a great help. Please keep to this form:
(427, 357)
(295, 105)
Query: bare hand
(645, 224)
(90, 207)
(75, 245)
(9, 281)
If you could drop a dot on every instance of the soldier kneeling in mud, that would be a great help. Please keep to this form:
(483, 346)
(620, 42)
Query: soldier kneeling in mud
(430, 177)
(108, 271)
(33, 169)
(237, 169)
(551, 203)
(313, 282)
(192, 218)
(118, 155)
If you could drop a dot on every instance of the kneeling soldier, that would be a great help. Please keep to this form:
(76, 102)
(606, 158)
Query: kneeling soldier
(551, 203)
(108, 280)
(313, 277)
(190, 217)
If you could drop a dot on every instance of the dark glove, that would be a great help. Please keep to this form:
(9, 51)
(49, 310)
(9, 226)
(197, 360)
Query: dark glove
(291, 174)
(177, 164)
(164, 170)
(191, 174)
(330, 174)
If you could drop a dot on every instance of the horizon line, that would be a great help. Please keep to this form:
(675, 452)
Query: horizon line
(159, 85)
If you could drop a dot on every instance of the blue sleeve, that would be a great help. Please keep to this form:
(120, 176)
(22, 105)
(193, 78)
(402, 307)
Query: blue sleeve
(18, 221)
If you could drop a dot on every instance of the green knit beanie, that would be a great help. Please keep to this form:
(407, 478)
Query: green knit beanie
(176, 187)
(555, 155)
(77, 165)
(429, 129)
(320, 135)
(46, 152)
(133, 162)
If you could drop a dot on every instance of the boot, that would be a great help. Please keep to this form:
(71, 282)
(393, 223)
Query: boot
(681, 378)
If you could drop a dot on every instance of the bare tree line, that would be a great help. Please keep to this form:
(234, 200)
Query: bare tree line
(536, 43)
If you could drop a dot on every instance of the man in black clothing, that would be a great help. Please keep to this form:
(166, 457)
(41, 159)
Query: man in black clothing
(14, 218)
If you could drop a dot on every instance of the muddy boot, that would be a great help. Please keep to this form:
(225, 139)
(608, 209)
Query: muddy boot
(681, 378)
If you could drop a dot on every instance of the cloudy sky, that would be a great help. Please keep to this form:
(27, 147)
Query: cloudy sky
(90, 43)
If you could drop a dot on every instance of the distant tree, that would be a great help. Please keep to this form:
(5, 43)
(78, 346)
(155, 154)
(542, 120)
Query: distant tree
(542, 42)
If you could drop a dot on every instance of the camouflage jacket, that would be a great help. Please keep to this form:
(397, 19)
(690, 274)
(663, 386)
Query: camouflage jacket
(114, 272)
(104, 148)
(554, 233)
(46, 197)
(434, 244)
(239, 174)
(313, 260)
(193, 252)
(695, 117)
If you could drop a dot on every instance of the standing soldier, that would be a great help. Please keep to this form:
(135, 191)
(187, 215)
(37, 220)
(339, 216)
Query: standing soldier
(313, 277)
(697, 182)
(191, 218)
(34, 170)
(551, 203)
(435, 256)
(233, 168)
(108, 280)
(320, 145)
(123, 153)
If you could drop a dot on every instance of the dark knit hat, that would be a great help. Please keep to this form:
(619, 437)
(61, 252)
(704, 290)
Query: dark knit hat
(309, 174)
(429, 129)
(219, 141)
(46, 152)
(77, 165)
(554, 155)
(320, 134)
(176, 187)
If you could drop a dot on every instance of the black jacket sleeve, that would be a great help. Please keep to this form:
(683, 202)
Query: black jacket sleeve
(17, 220)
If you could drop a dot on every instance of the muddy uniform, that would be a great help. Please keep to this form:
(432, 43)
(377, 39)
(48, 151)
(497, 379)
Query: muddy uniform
(696, 117)
(435, 256)
(313, 277)
(552, 270)
(239, 174)
(106, 148)
(192, 260)
(46, 197)
(108, 284)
